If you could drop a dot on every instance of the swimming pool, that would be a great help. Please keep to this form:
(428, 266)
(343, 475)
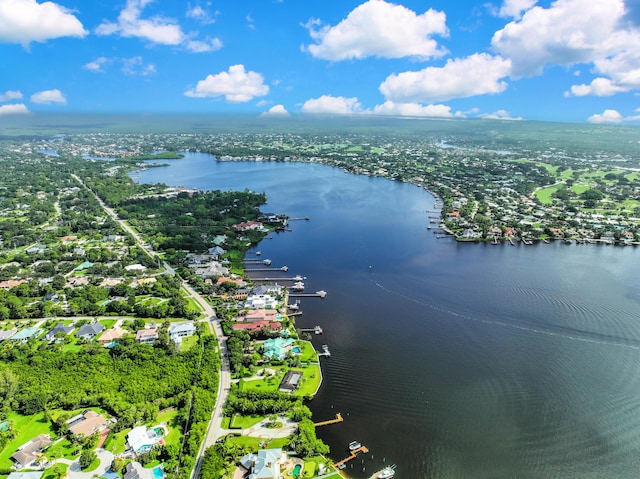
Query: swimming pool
(158, 472)
(296, 350)
(296, 471)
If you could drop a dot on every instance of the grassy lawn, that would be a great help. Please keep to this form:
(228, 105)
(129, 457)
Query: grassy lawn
(544, 194)
(192, 305)
(580, 188)
(311, 379)
(61, 449)
(550, 168)
(50, 473)
(116, 443)
(27, 427)
(108, 323)
(243, 422)
(168, 417)
(188, 342)
(93, 466)
(308, 353)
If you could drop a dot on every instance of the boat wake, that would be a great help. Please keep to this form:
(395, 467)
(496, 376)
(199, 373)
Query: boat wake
(572, 334)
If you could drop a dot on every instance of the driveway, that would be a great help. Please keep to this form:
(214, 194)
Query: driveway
(106, 458)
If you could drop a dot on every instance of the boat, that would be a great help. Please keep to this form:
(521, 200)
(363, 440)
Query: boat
(353, 445)
(387, 472)
(298, 286)
(267, 262)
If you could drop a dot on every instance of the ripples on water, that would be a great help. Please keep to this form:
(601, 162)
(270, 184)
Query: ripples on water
(453, 361)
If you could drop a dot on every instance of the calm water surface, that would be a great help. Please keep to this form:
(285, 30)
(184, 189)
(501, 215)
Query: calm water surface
(452, 360)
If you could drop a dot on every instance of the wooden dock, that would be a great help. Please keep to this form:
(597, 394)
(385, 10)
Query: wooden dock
(331, 421)
(284, 268)
(353, 455)
(317, 294)
(316, 330)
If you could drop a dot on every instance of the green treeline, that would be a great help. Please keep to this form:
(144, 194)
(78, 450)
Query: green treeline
(132, 381)
(191, 221)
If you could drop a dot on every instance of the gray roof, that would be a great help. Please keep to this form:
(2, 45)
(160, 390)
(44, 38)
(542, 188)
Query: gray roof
(26, 475)
(59, 328)
(90, 329)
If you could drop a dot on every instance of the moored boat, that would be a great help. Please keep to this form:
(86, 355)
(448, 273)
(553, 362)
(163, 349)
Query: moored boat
(387, 472)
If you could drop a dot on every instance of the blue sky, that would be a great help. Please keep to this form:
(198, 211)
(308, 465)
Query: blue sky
(562, 60)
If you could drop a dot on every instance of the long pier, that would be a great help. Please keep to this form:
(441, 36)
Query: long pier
(317, 294)
(284, 268)
(297, 278)
(331, 421)
(316, 329)
(353, 455)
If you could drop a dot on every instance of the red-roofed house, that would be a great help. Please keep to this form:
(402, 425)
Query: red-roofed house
(257, 326)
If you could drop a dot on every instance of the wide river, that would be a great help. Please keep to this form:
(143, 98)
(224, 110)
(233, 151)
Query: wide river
(451, 360)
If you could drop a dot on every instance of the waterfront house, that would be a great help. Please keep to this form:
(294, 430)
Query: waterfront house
(277, 348)
(147, 336)
(257, 326)
(89, 331)
(249, 226)
(290, 381)
(28, 453)
(265, 464)
(261, 301)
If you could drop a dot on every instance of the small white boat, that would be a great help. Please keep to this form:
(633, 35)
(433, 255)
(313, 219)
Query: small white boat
(387, 472)
(298, 286)
(353, 445)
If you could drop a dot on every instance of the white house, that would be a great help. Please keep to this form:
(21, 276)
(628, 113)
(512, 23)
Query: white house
(177, 331)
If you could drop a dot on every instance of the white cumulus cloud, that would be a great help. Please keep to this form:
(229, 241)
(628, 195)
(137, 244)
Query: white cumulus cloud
(26, 21)
(612, 116)
(202, 15)
(500, 115)
(478, 74)
(236, 85)
(15, 109)
(136, 66)
(200, 46)
(566, 33)
(598, 87)
(10, 95)
(415, 109)
(381, 29)
(96, 65)
(276, 110)
(48, 96)
(156, 29)
(514, 8)
(328, 104)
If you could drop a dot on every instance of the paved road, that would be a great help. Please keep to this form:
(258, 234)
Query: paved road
(214, 431)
